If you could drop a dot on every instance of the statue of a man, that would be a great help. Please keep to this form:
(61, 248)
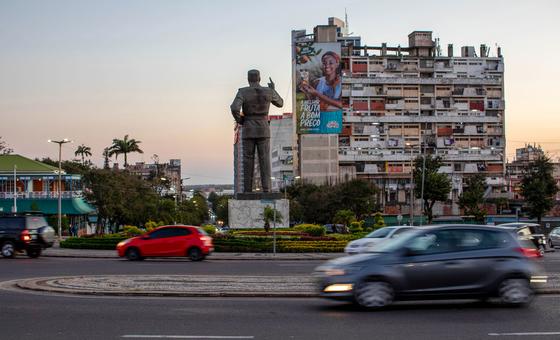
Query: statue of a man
(250, 110)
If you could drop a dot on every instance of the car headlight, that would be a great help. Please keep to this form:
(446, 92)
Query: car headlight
(122, 243)
(334, 271)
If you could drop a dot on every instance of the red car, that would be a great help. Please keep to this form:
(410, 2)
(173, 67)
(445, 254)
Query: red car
(175, 240)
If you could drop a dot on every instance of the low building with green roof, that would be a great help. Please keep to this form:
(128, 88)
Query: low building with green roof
(27, 185)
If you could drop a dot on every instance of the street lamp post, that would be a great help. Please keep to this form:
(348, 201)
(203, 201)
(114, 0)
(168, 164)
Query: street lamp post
(59, 189)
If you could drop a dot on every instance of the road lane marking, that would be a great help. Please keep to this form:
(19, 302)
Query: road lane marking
(141, 336)
(524, 334)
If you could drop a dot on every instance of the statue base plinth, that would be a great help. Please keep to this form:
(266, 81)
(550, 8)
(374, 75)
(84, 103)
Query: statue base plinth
(246, 210)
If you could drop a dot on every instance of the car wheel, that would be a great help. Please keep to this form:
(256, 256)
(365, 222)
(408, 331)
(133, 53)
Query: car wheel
(133, 254)
(374, 294)
(33, 252)
(8, 249)
(515, 292)
(195, 254)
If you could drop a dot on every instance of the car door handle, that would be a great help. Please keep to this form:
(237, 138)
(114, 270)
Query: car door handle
(452, 263)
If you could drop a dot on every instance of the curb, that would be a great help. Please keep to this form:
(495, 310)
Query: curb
(243, 257)
(42, 285)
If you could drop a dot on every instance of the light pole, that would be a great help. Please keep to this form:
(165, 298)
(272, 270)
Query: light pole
(411, 185)
(59, 189)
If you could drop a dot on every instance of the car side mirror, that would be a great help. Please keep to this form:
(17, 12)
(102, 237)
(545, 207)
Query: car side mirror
(146, 237)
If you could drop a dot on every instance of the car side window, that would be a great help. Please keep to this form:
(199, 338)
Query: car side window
(398, 232)
(161, 233)
(479, 239)
(181, 232)
(435, 242)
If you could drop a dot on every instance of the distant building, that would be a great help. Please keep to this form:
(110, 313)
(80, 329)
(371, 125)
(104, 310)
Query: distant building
(399, 102)
(281, 150)
(27, 185)
(514, 170)
(168, 171)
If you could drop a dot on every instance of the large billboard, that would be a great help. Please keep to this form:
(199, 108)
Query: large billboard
(318, 88)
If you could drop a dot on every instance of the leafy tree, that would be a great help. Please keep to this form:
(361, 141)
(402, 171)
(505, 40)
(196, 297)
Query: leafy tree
(213, 199)
(436, 185)
(221, 209)
(538, 187)
(121, 198)
(83, 151)
(4, 149)
(501, 204)
(357, 195)
(473, 196)
(268, 215)
(345, 217)
(379, 221)
(124, 146)
(193, 211)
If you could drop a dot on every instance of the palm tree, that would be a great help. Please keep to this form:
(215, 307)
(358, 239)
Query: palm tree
(84, 151)
(124, 146)
(106, 158)
(268, 215)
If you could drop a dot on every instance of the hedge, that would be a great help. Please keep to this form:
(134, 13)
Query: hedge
(105, 243)
(229, 243)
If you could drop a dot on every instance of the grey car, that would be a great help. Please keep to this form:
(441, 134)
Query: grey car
(554, 238)
(436, 262)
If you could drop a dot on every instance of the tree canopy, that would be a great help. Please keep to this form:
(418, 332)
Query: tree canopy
(473, 196)
(538, 187)
(124, 146)
(436, 185)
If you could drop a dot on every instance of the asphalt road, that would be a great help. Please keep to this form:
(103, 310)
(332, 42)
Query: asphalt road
(23, 267)
(34, 316)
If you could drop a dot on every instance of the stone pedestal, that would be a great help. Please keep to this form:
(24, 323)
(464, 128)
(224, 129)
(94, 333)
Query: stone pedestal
(246, 210)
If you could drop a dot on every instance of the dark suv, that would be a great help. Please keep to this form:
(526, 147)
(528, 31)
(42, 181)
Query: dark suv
(29, 233)
(436, 262)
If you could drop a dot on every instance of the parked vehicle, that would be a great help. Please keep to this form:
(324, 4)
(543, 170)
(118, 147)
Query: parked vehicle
(361, 245)
(175, 241)
(554, 238)
(531, 232)
(435, 262)
(336, 228)
(29, 233)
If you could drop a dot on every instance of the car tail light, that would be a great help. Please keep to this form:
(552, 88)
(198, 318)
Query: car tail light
(529, 252)
(206, 240)
(25, 237)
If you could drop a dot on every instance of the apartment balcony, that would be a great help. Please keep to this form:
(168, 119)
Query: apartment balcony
(472, 156)
(448, 118)
(397, 106)
(373, 157)
(41, 195)
(421, 81)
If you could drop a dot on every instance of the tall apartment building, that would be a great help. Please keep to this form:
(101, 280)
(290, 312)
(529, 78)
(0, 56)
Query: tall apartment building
(401, 102)
(281, 150)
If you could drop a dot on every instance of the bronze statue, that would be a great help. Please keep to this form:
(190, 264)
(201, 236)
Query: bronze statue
(250, 110)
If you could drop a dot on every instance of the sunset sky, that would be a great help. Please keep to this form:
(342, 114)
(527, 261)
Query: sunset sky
(165, 72)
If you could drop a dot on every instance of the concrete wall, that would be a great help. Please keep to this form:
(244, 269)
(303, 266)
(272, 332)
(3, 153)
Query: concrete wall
(249, 213)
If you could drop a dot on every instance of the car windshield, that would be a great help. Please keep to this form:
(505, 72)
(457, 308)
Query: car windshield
(392, 244)
(380, 233)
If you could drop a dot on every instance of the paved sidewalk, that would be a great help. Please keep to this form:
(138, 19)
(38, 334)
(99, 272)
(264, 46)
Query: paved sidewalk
(89, 253)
